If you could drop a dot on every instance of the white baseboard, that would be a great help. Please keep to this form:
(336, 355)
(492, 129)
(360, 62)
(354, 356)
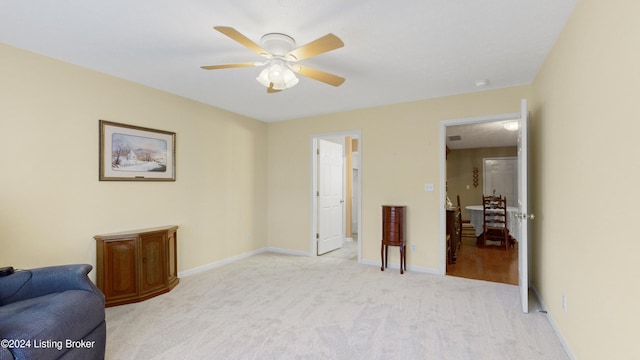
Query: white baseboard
(219, 263)
(563, 341)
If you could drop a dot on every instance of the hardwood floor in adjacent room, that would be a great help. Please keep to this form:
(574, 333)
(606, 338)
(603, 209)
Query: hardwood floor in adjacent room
(489, 263)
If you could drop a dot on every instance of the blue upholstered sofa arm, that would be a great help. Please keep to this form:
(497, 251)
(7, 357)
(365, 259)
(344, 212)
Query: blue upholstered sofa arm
(26, 284)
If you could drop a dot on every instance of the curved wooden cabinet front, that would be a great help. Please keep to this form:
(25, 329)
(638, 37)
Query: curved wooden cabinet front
(136, 265)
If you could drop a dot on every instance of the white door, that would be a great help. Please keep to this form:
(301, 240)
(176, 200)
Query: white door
(523, 209)
(500, 177)
(330, 199)
(355, 200)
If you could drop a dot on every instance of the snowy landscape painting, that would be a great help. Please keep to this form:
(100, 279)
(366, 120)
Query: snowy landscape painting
(134, 153)
(130, 152)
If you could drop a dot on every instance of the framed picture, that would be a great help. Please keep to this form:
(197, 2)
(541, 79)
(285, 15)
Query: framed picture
(134, 153)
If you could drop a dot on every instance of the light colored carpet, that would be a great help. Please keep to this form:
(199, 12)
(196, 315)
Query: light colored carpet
(275, 306)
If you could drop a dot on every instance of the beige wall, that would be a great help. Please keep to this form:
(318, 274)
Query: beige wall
(585, 124)
(232, 170)
(400, 152)
(460, 164)
(51, 202)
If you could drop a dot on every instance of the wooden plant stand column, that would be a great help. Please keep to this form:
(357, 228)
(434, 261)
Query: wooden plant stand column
(393, 230)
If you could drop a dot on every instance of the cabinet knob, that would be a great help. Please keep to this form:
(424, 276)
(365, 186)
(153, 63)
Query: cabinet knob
(144, 260)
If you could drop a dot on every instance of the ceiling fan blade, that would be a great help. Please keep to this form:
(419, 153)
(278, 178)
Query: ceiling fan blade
(271, 90)
(321, 45)
(237, 36)
(227, 66)
(318, 75)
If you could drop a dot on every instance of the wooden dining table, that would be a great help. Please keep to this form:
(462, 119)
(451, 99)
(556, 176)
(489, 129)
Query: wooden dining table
(476, 219)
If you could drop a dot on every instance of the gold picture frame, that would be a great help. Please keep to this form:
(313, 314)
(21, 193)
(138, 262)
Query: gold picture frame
(135, 153)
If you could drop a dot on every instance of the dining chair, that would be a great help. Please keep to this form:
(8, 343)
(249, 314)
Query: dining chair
(494, 214)
(459, 223)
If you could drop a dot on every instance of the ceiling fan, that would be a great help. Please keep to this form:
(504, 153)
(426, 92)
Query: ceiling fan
(282, 58)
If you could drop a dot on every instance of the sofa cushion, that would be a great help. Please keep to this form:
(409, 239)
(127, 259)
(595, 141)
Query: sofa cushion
(47, 320)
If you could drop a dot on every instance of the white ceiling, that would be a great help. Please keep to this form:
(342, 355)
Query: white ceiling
(481, 135)
(395, 51)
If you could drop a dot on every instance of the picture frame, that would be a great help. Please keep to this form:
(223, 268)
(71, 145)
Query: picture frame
(135, 153)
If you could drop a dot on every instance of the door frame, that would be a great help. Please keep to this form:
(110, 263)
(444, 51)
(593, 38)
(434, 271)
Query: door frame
(313, 182)
(443, 172)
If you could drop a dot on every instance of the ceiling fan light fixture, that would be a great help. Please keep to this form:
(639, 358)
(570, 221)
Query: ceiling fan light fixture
(277, 76)
(482, 83)
(511, 125)
(282, 54)
(289, 78)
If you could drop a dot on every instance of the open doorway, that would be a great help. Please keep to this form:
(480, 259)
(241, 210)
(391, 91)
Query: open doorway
(519, 219)
(336, 192)
(470, 146)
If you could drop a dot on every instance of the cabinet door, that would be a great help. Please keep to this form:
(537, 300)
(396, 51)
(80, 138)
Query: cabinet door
(120, 269)
(153, 262)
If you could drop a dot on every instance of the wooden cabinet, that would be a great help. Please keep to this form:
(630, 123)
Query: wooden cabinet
(136, 265)
(452, 237)
(393, 234)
